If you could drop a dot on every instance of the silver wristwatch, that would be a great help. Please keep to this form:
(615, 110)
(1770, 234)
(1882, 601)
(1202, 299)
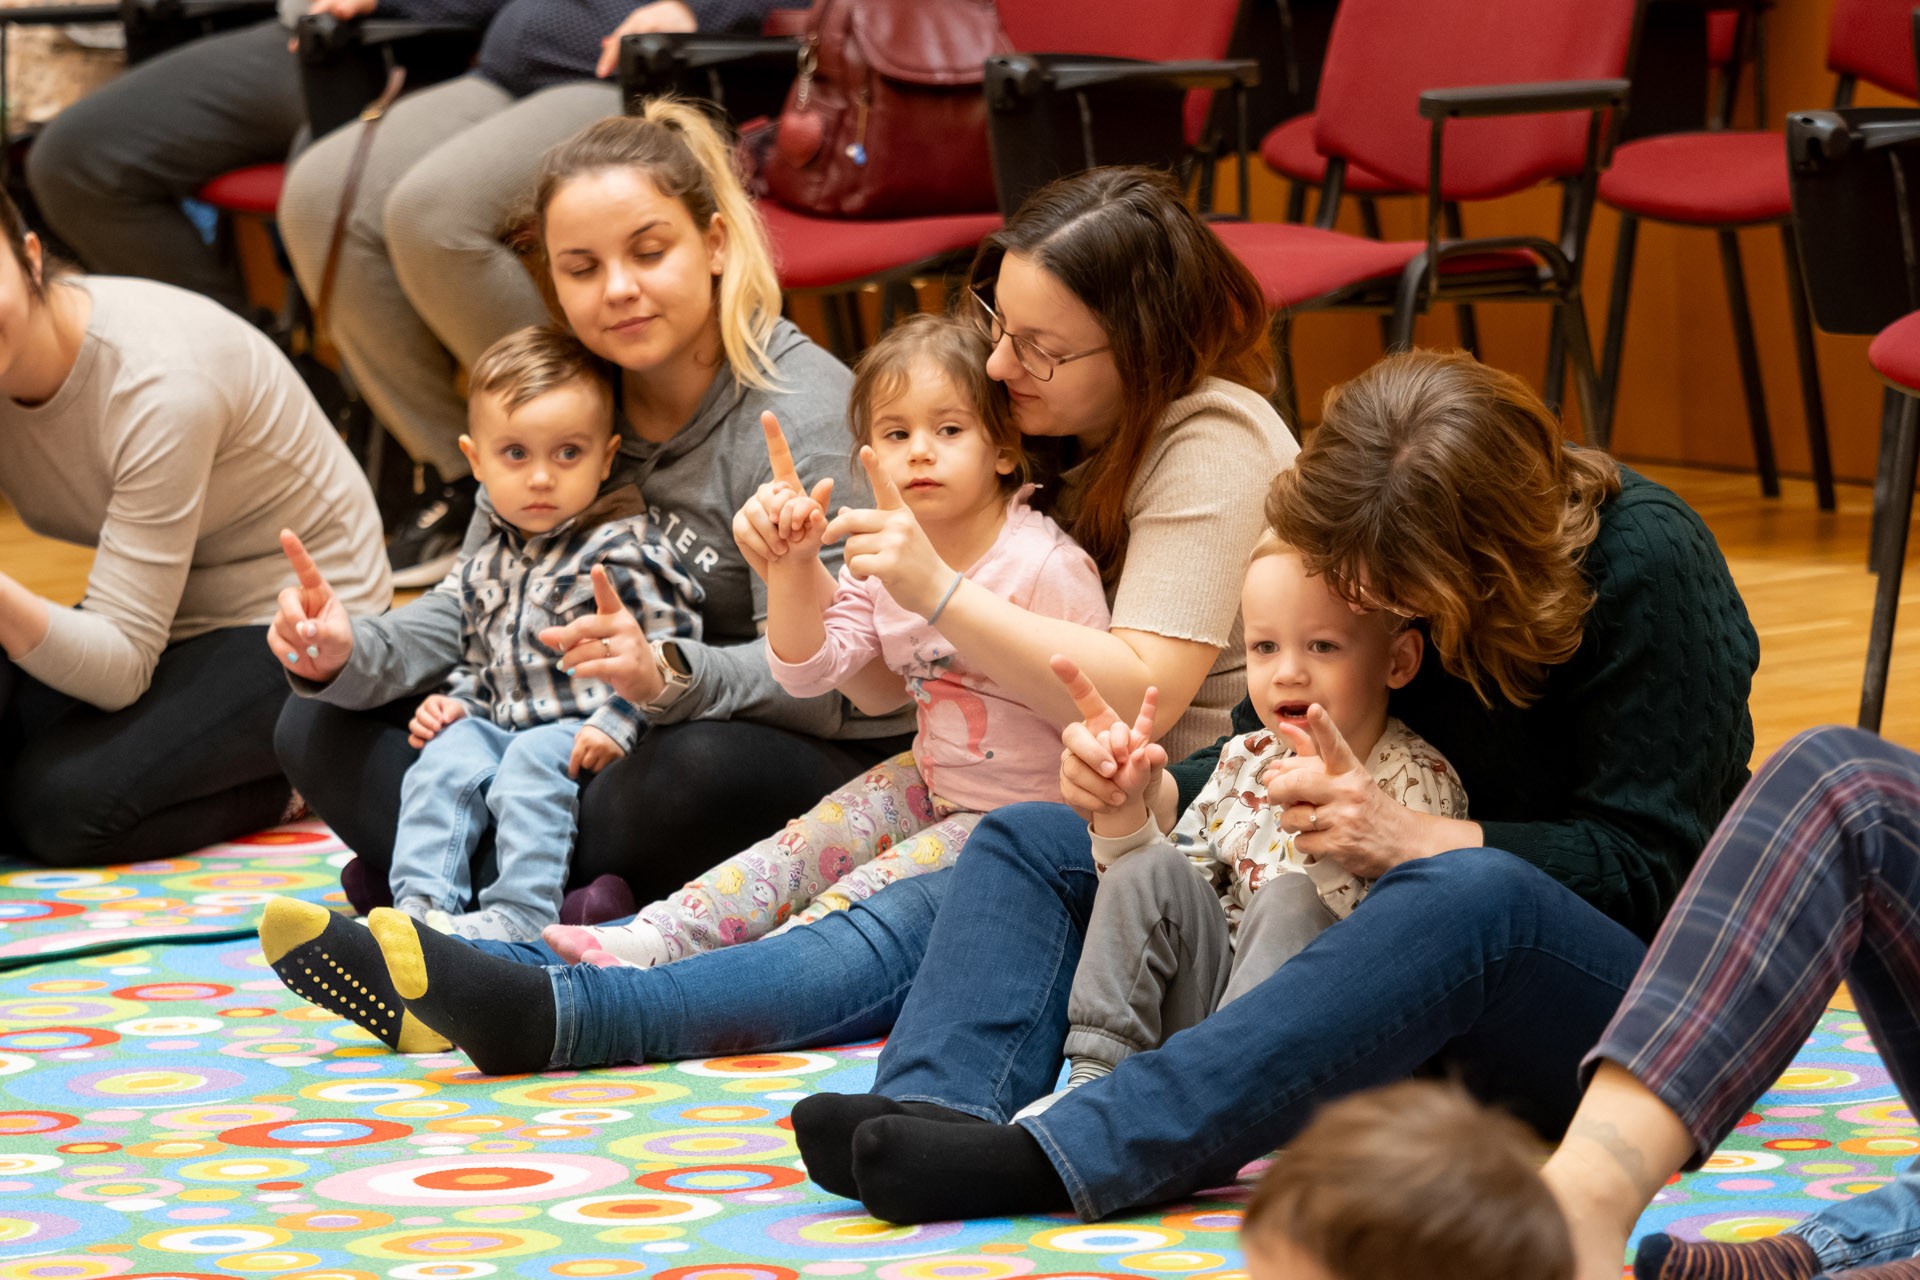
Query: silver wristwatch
(676, 676)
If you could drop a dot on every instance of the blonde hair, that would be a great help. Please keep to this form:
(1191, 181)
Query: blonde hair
(960, 351)
(530, 362)
(1438, 487)
(684, 155)
(1414, 1180)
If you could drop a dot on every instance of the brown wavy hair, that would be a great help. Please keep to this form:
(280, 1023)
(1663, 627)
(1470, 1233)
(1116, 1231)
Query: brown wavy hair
(1439, 488)
(1176, 307)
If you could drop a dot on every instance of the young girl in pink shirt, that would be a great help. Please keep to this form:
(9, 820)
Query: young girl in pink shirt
(946, 466)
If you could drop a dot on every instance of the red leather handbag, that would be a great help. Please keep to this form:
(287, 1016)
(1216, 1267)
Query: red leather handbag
(888, 118)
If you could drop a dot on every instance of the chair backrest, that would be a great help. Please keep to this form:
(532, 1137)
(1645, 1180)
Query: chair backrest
(1871, 39)
(1383, 54)
(1153, 30)
(1854, 215)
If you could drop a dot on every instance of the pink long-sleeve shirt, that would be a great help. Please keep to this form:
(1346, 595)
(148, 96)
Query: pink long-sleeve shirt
(977, 746)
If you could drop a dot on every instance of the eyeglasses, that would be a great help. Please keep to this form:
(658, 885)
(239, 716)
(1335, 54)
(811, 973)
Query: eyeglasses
(1033, 357)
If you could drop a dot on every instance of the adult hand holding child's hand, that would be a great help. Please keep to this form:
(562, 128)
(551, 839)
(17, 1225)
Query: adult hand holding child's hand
(1333, 802)
(781, 518)
(1106, 765)
(608, 644)
(310, 633)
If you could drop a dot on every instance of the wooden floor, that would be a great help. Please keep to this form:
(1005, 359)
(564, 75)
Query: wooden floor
(1803, 575)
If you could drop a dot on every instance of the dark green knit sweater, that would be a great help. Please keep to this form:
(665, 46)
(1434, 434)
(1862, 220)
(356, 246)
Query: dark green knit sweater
(1612, 781)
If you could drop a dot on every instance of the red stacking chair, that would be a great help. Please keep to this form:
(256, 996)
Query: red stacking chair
(1466, 100)
(1853, 178)
(1726, 179)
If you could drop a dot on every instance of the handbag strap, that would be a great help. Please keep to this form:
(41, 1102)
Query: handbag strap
(350, 187)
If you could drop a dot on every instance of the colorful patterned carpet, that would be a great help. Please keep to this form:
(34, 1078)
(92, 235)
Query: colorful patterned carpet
(171, 1110)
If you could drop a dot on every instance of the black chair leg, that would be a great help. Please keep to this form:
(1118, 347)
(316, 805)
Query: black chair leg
(1570, 325)
(1296, 201)
(1892, 404)
(1286, 394)
(839, 341)
(1755, 392)
(1463, 313)
(1812, 402)
(1893, 563)
(1617, 296)
(1370, 218)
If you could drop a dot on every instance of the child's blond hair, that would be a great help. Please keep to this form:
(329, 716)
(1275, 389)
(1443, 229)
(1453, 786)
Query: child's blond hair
(1414, 1181)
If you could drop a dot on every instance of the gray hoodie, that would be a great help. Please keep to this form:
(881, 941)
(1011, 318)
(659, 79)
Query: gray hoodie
(693, 484)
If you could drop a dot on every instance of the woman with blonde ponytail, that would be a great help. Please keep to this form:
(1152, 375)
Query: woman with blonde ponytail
(648, 247)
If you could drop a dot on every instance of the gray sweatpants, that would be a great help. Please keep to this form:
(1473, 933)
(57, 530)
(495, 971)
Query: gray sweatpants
(425, 282)
(110, 171)
(1157, 958)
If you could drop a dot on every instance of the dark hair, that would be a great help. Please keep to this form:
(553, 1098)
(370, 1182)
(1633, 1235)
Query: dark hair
(960, 350)
(530, 362)
(1439, 487)
(17, 232)
(1414, 1180)
(1176, 306)
(682, 153)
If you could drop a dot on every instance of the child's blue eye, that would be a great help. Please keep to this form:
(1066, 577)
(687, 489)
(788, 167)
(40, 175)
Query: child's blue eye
(514, 453)
(569, 453)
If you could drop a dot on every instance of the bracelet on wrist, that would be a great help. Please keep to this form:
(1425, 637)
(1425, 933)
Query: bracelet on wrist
(941, 608)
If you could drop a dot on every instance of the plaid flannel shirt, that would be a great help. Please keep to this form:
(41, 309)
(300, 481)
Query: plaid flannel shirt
(512, 587)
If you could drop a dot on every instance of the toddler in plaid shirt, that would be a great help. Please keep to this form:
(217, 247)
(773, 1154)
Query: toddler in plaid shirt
(512, 735)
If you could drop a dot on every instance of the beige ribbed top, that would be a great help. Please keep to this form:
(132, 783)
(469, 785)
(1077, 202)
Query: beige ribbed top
(1195, 510)
(179, 446)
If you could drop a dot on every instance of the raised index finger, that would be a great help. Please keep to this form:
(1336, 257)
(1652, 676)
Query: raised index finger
(784, 472)
(885, 496)
(1332, 744)
(303, 566)
(1086, 698)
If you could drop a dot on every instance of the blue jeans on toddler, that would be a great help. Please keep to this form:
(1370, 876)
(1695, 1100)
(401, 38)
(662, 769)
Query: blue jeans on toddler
(472, 769)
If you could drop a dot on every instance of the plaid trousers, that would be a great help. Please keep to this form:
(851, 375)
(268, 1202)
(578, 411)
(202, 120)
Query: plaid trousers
(1814, 876)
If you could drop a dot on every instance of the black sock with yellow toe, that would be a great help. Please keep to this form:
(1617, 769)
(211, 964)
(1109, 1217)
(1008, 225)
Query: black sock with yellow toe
(499, 1012)
(329, 960)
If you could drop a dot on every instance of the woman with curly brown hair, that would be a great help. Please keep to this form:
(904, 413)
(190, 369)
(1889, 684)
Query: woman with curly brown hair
(1590, 687)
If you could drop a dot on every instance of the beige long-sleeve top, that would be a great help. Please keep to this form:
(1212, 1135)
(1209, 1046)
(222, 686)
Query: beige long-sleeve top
(1194, 510)
(179, 446)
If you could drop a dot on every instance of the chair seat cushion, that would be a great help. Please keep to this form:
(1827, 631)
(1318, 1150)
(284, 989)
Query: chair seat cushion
(254, 189)
(826, 253)
(1289, 152)
(1297, 264)
(1725, 178)
(1895, 352)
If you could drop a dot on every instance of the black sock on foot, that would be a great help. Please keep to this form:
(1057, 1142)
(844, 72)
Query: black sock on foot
(499, 1012)
(1781, 1257)
(913, 1170)
(823, 1127)
(328, 960)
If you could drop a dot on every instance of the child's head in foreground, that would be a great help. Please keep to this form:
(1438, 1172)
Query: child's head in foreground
(1305, 645)
(1414, 1181)
(540, 434)
(938, 425)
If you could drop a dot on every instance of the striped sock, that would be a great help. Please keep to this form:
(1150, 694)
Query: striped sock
(1781, 1257)
(1082, 1070)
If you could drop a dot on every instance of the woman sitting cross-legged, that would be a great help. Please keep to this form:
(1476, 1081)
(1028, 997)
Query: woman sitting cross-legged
(168, 434)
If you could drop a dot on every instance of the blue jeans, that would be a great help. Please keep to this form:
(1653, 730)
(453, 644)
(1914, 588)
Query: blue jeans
(473, 769)
(1881, 1226)
(1473, 962)
(835, 981)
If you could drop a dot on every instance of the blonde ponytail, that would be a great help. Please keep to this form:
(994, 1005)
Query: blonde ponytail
(685, 156)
